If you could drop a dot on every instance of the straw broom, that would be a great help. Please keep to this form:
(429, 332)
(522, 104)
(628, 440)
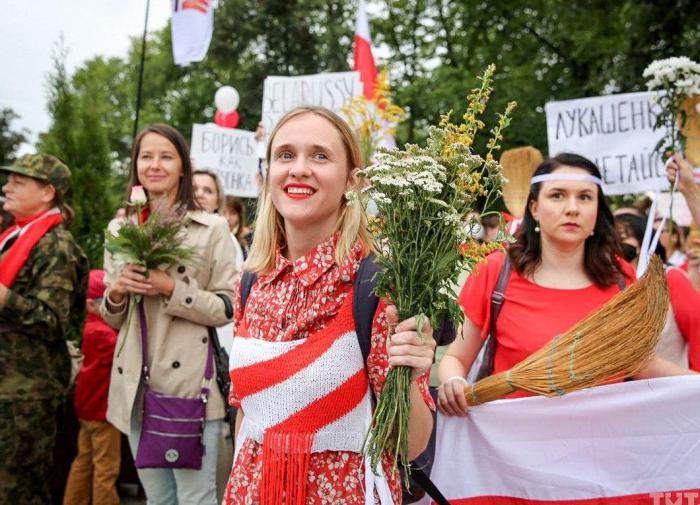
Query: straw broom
(616, 341)
(518, 166)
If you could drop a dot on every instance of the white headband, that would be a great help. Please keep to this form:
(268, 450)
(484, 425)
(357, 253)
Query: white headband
(567, 177)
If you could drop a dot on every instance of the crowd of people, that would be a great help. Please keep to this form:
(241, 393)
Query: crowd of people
(302, 388)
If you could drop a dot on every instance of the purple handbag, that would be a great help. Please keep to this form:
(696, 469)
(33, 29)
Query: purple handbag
(173, 427)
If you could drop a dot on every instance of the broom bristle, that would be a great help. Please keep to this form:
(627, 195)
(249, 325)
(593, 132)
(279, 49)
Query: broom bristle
(616, 341)
(518, 166)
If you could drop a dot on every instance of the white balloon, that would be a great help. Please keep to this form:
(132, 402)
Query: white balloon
(226, 99)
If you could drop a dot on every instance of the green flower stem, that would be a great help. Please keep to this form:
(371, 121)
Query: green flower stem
(132, 306)
(390, 421)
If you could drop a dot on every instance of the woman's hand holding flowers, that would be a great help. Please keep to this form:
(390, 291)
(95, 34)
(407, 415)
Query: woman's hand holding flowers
(138, 280)
(406, 347)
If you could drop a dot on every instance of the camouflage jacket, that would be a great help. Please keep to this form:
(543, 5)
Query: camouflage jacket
(46, 298)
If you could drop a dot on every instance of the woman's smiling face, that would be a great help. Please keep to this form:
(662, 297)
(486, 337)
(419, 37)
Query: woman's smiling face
(159, 166)
(309, 172)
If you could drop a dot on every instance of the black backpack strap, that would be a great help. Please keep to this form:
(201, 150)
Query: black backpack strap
(418, 476)
(365, 302)
(247, 281)
(497, 299)
(364, 306)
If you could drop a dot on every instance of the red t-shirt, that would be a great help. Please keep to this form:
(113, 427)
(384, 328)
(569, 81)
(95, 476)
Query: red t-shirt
(531, 315)
(685, 302)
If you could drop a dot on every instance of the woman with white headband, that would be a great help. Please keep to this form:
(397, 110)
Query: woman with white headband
(565, 263)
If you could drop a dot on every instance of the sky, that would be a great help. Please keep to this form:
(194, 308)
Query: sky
(30, 31)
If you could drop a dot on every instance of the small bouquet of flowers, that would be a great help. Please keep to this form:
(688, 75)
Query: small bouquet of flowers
(156, 241)
(428, 197)
(678, 79)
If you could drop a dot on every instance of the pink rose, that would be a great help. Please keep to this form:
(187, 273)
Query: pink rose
(138, 196)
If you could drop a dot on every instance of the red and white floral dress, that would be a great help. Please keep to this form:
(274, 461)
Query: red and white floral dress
(289, 303)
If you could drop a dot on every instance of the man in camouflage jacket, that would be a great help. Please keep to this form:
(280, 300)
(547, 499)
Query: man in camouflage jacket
(36, 310)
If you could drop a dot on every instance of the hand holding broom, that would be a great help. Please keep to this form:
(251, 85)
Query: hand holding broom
(616, 341)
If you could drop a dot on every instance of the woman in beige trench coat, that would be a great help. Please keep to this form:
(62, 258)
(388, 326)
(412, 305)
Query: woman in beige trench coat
(180, 303)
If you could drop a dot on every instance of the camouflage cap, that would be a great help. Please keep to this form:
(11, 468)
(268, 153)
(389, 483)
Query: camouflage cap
(43, 167)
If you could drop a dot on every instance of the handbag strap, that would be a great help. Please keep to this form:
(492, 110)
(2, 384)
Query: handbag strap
(144, 341)
(208, 369)
(497, 299)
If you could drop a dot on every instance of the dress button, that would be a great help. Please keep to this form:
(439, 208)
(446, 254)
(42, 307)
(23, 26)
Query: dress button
(120, 370)
(181, 269)
(188, 300)
(176, 364)
(204, 340)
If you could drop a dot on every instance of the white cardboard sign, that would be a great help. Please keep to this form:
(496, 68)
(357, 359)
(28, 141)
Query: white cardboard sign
(231, 154)
(332, 90)
(617, 133)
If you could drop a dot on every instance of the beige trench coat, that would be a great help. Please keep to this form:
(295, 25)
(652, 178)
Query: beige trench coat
(177, 327)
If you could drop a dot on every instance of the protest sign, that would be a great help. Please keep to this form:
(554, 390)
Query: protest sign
(231, 154)
(332, 90)
(617, 133)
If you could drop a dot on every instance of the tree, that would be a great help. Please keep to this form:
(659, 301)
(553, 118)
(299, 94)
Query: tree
(77, 137)
(10, 139)
(544, 51)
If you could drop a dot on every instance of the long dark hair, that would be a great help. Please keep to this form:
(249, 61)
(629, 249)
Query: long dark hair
(185, 191)
(602, 249)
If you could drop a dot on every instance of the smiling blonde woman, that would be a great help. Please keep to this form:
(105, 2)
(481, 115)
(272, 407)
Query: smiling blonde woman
(299, 377)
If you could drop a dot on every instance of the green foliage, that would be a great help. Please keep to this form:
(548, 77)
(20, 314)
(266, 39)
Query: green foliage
(78, 137)
(10, 139)
(545, 50)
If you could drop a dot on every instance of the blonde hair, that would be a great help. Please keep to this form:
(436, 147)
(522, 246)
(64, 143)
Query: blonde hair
(219, 187)
(269, 224)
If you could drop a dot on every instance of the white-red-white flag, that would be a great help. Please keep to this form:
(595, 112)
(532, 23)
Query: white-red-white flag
(364, 61)
(364, 64)
(192, 28)
(633, 443)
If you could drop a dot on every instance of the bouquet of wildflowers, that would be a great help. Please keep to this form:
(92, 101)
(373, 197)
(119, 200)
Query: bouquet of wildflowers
(155, 242)
(677, 79)
(375, 118)
(426, 197)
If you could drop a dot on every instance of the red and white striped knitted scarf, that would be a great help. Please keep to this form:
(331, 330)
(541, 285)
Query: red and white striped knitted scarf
(299, 397)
